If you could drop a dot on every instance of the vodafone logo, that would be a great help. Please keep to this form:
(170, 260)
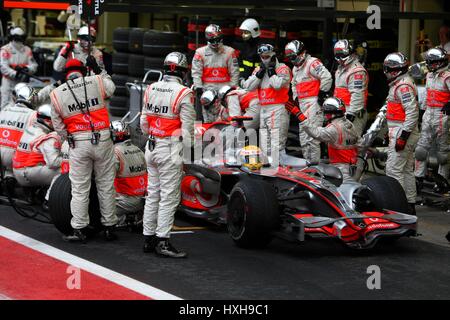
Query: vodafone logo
(215, 72)
(263, 94)
(86, 118)
(374, 219)
(158, 122)
(6, 134)
(141, 181)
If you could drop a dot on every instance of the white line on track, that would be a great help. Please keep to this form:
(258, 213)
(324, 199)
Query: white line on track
(3, 297)
(86, 265)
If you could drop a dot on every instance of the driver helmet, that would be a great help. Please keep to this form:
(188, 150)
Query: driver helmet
(214, 36)
(86, 38)
(343, 50)
(436, 58)
(251, 157)
(295, 51)
(249, 29)
(44, 116)
(24, 94)
(120, 131)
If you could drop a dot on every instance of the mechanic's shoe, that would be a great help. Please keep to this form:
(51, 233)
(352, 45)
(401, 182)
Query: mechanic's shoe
(78, 235)
(412, 208)
(109, 234)
(149, 243)
(448, 236)
(166, 249)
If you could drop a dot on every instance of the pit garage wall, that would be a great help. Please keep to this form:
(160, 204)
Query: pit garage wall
(409, 30)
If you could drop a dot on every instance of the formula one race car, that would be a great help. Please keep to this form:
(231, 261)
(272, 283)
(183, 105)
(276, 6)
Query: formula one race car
(295, 202)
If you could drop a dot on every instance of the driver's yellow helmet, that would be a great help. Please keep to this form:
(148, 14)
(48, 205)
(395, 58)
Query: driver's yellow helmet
(251, 157)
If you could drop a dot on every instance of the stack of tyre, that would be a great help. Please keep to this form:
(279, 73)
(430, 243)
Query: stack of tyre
(138, 50)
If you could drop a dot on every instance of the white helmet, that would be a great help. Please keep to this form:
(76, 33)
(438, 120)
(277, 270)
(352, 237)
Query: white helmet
(17, 34)
(86, 39)
(208, 99)
(250, 29)
(44, 116)
(120, 131)
(23, 94)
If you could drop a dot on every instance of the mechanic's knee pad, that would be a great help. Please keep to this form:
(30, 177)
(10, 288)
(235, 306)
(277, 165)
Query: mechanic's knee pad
(421, 153)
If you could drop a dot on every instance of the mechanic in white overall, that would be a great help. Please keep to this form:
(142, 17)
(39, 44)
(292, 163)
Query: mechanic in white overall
(351, 84)
(272, 80)
(435, 119)
(131, 172)
(213, 110)
(38, 157)
(241, 102)
(215, 64)
(402, 117)
(80, 116)
(14, 119)
(16, 64)
(311, 83)
(81, 49)
(168, 118)
(339, 134)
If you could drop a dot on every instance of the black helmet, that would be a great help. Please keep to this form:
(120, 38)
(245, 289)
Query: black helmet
(436, 58)
(394, 65)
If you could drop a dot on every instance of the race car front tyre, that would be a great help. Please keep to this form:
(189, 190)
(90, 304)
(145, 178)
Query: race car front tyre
(59, 205)
(252, 213)
(387, 193)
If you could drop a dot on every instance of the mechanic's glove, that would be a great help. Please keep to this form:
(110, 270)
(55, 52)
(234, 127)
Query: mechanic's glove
(241, 82)
(323, 95)
(271, 71)
(350, 117)
(400, 144)
(261, 72)
(295, 110)
(446, 109)
(273, 62)
(67, 49)
(21, 77)
(92, 63)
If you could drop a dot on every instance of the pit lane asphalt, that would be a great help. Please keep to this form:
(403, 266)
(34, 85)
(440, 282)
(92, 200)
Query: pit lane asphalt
(216, 269)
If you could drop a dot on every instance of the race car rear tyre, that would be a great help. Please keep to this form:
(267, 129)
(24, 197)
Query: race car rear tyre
(59, 205)
(387, 193)
(252, 213)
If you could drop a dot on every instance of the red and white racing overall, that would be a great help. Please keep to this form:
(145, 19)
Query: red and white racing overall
(71, 116)
(402, 115)
(308, 79)
(168, 114)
